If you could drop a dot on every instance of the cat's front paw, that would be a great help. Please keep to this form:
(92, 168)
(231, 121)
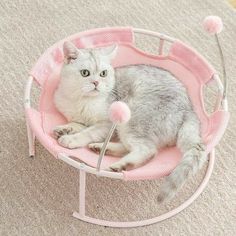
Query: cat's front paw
(61, 130)
(70, 128)
(69, 141)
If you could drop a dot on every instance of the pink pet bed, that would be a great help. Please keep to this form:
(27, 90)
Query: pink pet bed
(181, 60)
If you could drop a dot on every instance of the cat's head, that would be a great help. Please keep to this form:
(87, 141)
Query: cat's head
(89, 71)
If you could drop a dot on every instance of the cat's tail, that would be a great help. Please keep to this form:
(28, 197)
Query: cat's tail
(194, 156)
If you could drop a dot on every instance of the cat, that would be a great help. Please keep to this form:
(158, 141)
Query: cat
(161, 112)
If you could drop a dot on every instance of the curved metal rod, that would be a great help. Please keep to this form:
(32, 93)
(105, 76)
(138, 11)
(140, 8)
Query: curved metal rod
(104, 146)
(89, 169)
(221, 101)
(27, 92)
(154, 34)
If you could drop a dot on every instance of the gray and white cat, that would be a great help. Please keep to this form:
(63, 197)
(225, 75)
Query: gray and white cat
(161, 112)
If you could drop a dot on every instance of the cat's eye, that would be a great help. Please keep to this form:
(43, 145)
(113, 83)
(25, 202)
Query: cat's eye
(103, 73)
(85, 73)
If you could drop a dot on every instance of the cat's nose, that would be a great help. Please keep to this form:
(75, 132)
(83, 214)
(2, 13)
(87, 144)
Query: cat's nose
(95, 83)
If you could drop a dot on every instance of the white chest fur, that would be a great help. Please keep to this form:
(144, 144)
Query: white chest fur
(86, 111)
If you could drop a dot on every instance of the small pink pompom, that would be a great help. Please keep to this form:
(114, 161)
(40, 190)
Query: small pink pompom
(213, 24)
(119, 112)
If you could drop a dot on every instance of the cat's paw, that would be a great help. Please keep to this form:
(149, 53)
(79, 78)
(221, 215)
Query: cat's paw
(96, 147)
(61, 130)
(118, 166)
(70, 128)
(69, 141)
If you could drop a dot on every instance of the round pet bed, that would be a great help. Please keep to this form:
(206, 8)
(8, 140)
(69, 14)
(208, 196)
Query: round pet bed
(181, 60)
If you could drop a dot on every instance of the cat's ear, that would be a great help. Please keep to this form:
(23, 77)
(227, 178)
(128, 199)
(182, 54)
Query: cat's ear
(70, 52)
(110, 51)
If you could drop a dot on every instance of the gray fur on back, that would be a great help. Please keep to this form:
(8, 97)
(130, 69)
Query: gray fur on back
(158, 102)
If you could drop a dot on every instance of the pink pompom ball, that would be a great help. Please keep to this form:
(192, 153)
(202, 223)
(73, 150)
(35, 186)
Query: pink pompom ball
(119, 112)
(213, 24)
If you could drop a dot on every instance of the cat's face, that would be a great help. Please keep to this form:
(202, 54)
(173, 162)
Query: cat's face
(89, 71)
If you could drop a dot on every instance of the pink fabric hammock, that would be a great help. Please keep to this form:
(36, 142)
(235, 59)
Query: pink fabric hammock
(182, 61)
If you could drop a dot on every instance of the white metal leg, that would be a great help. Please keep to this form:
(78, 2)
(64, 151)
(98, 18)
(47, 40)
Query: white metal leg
(82, 192)
(31, 140)
(82, 188)
(30, 134)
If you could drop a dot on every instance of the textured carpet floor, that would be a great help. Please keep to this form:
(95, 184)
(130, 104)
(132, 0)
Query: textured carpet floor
(38, 195)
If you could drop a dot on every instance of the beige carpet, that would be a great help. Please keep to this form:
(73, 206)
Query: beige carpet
(37, 196)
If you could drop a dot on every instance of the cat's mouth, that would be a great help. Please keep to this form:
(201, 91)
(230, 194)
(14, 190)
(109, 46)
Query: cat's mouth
(94, 92)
